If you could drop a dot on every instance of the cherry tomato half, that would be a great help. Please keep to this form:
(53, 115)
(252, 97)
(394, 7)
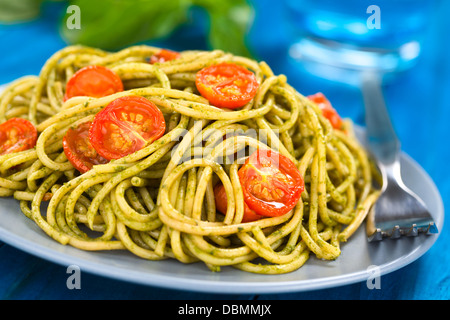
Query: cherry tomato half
(163, 56)
(93, 81)
(17, 134)
(271, 183)
(125, 126)
(79, 150)
(227, 85)
(220, 197)
(327, 109)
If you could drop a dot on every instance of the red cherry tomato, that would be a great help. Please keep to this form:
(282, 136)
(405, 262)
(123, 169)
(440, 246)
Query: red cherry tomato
(93, 81)
(221, 205)
(327, 109)
(125, 126)
(163, 56)
(271, 183)
(79, 150)
(227, 85)
(17, 134)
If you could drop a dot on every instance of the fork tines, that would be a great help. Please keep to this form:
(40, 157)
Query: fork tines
(397, 232)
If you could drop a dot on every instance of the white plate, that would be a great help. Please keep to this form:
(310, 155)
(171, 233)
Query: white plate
(351, 267)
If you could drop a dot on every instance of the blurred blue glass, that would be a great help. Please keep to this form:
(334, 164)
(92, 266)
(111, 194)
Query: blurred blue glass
(382, 35)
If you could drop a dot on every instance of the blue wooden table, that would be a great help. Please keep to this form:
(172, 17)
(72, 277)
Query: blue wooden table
(420, 108)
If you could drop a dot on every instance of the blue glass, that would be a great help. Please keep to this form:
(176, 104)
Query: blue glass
(385, 35)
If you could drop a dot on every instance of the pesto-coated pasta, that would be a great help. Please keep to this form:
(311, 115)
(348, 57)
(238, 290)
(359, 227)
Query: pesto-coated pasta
(158, 202)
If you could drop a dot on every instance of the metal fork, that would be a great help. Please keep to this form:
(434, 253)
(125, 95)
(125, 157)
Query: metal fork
(398, 211)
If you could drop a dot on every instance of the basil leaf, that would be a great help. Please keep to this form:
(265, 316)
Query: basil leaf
(229, 27)
(112, 24)
(19, 10)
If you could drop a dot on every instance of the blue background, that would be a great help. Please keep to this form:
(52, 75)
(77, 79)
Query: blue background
(420, 110)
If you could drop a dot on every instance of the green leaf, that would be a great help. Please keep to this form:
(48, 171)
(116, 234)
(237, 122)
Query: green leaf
(14, 11)
(112, 24)
(229, 24)
(229, 34)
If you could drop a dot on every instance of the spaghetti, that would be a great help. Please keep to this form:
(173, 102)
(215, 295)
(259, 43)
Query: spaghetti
(158, 202)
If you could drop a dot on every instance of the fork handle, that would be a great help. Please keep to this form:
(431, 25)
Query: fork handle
(381, 136)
